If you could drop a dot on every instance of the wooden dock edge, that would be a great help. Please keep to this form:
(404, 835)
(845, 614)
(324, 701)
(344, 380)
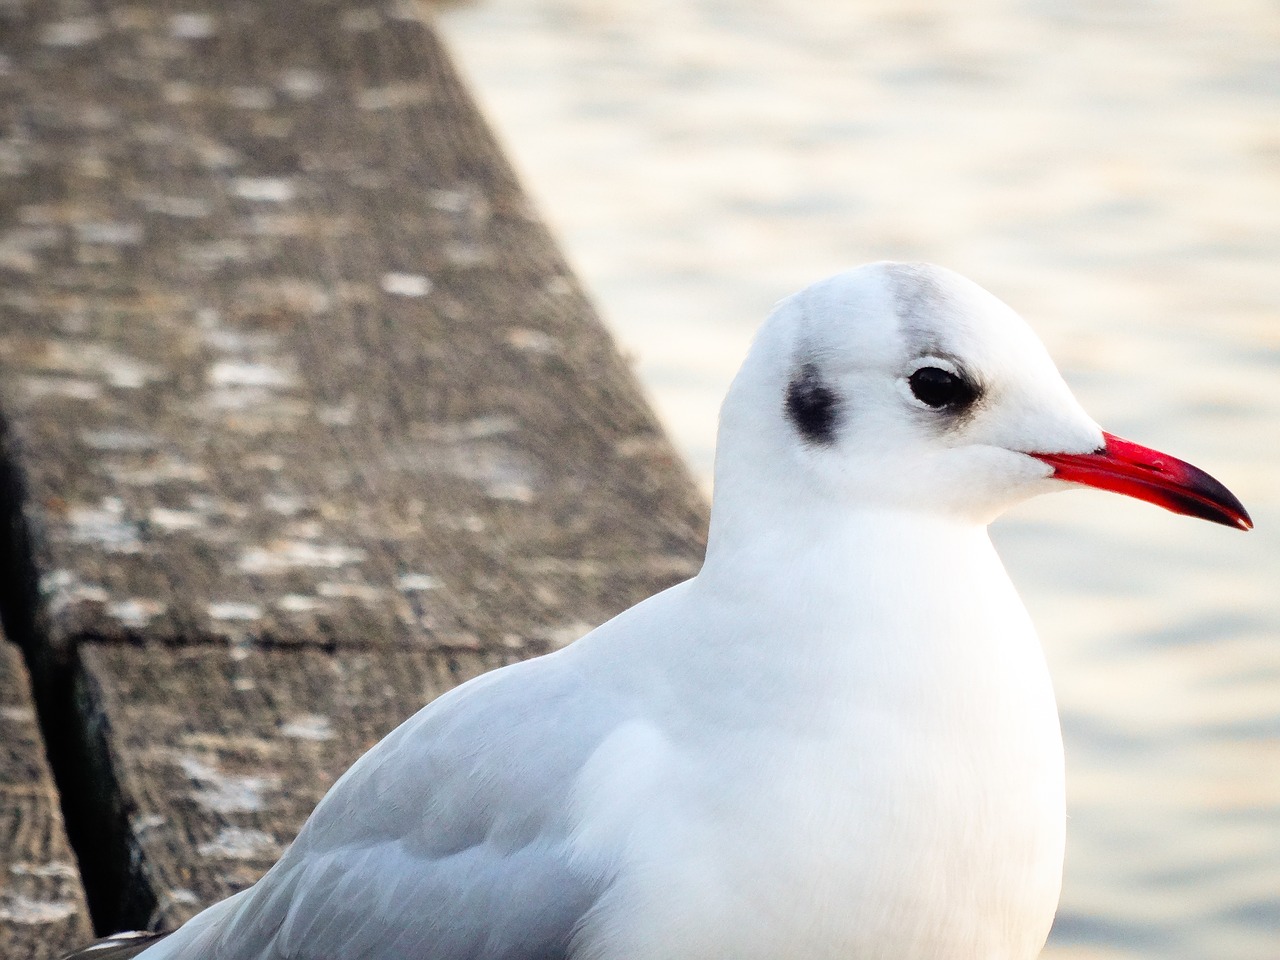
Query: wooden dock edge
(305, 420)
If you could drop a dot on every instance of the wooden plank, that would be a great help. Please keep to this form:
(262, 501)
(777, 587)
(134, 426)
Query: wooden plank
(223, 753)
(42, 904)
(305, 418)
(287, 356)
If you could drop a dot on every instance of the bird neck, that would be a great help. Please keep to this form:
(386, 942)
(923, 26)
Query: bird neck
(905, 612)
(798, 536)
(818, 570)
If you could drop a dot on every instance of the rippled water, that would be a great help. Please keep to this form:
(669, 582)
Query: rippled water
(1112, 169)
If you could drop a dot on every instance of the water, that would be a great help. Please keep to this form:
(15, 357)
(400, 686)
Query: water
(1112, 169)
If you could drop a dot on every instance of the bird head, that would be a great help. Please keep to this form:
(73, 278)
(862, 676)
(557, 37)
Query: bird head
(907, 387)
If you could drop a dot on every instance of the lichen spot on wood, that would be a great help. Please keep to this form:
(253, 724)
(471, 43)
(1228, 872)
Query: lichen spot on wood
(29, 911)
(264, 189)
(192, 26)
(309, 726)
(239, 843)
(405, 284)
(415, 582)
(224, 792)
(72, 32)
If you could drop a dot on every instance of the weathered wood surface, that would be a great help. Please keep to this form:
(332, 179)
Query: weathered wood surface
(224, 754)
(288, 355)
(42, 906)
(294, 382)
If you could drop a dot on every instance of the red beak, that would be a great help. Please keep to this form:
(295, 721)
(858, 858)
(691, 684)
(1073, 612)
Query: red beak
(1137, 471)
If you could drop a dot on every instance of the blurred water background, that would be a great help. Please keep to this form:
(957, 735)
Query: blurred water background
(1109, 167)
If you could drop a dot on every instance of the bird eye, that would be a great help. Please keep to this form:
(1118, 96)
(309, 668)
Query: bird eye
(940, 388)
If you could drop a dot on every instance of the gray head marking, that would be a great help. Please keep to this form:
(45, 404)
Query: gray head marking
(922, 301)
(812, 405)
(918, 297)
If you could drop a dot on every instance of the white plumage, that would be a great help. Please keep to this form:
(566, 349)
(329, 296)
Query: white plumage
(839, 740)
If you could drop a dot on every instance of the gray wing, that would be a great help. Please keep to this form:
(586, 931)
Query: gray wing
(450, 840)
(121, 946)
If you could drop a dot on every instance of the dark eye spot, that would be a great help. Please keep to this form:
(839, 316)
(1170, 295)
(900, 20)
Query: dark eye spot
(942, 389)
(812, 406)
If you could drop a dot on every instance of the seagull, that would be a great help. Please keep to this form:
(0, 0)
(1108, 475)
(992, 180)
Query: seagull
(838, 740)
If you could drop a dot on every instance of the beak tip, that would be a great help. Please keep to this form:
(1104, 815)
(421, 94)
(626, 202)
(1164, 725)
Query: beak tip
(1231, 511)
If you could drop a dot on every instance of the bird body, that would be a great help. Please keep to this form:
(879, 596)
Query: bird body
(775, 816)
(839, 740)
(716, 809)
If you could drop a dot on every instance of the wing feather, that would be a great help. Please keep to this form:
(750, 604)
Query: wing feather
(450, 840)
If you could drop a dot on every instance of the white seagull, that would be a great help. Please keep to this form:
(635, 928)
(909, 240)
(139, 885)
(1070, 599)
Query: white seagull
(838, 740)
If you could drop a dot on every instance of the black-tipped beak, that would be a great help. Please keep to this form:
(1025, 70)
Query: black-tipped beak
(1126, 467)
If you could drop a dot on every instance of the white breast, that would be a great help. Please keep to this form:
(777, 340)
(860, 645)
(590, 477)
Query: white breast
(850, 795)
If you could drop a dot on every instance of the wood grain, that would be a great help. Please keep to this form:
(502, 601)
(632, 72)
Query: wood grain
(304, 417)
(223, 753)
(286, 354)
(42, 905)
